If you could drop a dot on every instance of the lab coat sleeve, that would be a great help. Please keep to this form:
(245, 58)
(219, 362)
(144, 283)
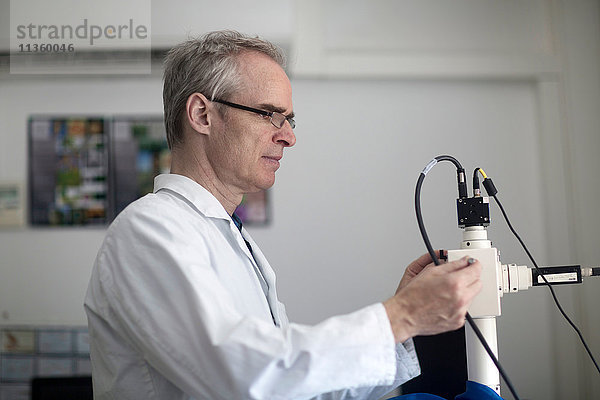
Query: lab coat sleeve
(407, 368)
(171, 307)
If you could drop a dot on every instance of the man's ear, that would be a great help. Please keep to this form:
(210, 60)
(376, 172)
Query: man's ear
(197, 107)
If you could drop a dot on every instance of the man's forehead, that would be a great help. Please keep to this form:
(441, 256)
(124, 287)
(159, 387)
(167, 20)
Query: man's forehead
(257, 61)
(264, 81)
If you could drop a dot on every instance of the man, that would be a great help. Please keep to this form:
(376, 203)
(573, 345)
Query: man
(182, 303)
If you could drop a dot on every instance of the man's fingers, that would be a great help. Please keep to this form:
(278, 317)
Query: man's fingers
(472, 272)
(475, 286)
(466, 275)
(461, 263)
(420, 263)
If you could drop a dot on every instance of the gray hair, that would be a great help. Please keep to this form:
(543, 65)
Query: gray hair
(206, 65)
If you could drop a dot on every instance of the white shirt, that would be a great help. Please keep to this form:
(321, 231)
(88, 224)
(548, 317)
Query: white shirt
(176, 311)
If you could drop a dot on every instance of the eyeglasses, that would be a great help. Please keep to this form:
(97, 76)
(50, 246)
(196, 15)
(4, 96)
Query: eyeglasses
(277, 119)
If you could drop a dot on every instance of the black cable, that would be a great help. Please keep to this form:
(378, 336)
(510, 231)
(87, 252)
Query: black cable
(476, 190)
(547, 283)
(451, 159)
(437, 262)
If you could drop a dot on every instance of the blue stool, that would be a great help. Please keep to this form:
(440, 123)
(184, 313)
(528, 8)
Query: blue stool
(475, 391)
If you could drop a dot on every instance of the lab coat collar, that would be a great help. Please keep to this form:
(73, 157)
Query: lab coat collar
(209, 206)
(195, 193)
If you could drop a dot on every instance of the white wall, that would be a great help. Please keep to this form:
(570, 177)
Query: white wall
(581, 57)
(512, 87)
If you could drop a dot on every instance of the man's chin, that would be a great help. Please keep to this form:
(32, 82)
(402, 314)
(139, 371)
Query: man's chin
(260, 186)
(265, 187)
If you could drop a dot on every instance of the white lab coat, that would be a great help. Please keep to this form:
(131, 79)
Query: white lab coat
(176, 311)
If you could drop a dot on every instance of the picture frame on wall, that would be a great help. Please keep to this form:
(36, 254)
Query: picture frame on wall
(68, 170)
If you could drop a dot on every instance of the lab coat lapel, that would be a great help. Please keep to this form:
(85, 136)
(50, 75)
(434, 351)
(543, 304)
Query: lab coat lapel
(268, 274)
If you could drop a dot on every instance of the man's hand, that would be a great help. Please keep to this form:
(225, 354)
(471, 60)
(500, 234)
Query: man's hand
(433, 299)
(415, 268)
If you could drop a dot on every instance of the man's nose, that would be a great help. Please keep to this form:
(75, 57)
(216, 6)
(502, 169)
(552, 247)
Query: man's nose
(285, 135)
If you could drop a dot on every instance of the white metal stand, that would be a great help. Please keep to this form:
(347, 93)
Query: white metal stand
(485, 307)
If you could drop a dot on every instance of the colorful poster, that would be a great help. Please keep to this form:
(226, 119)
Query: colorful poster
(68, 171)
